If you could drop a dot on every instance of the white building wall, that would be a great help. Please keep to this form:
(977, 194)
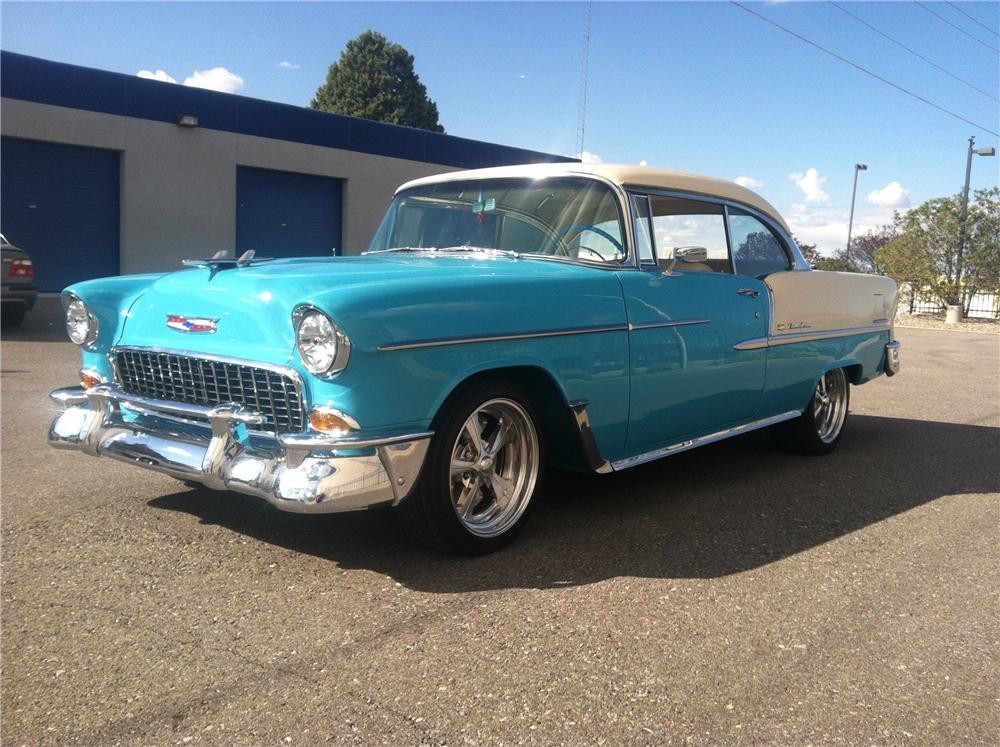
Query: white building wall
(178, 184)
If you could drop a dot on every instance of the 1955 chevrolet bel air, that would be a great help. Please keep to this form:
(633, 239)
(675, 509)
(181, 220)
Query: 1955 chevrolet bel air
(589, 317)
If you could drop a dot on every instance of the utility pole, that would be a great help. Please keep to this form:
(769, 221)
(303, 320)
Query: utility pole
(854, 193)
(581, 114)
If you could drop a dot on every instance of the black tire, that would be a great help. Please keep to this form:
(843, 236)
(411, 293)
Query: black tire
(12, 316)
(429, 514)
(810, 433)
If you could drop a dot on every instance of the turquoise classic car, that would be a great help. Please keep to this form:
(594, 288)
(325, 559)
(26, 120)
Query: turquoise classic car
(587, 317)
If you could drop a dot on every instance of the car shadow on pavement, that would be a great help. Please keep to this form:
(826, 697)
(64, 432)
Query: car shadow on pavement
(44, 323)
(722, 509)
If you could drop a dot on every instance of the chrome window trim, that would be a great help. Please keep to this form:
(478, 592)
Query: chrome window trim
(443, 341)
(288, 371)
(624, 216)
(797, 261)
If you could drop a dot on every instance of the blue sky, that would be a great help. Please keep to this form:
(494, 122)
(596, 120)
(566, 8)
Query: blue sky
(702, 87)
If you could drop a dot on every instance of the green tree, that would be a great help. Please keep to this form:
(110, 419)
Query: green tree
(863, 252)
(925, 253)
(981, 271)
(375, 79)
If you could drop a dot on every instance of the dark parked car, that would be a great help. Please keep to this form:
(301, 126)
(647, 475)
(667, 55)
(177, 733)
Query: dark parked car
(19, 289)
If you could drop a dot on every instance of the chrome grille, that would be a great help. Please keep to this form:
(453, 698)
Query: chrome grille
(203, 381)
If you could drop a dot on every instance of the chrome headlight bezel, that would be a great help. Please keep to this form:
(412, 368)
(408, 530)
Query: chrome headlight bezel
(82, 313)
(335, 337)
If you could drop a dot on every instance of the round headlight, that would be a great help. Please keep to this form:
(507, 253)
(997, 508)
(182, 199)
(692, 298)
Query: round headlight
(322, 345)
(81, 324)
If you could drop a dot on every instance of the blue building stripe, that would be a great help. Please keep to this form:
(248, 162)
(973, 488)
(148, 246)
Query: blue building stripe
(59, 84)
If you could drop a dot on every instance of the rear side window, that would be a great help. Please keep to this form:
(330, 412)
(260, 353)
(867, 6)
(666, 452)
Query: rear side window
(756, 250)
(681, 223)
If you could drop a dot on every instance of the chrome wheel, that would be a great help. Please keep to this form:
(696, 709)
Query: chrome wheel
(830, 405)
(494, 467)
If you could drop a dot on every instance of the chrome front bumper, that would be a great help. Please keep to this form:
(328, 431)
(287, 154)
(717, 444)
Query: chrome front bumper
(305, 473)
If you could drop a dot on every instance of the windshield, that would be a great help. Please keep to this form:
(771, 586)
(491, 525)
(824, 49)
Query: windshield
(569, 217)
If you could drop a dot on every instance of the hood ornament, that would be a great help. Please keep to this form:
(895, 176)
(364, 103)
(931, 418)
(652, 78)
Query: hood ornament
(192, 323)
(220, 260)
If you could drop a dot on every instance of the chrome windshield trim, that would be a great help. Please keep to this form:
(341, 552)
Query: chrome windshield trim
(794, 337)
(628, 262)
(659, 325)
(442, 341)
(650, 456)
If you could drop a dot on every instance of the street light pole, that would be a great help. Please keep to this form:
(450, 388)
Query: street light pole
(965, 200)
(965, 208)
(854, 193)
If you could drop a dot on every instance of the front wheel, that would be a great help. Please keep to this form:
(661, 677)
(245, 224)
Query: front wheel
(818, 429)
(482, 471)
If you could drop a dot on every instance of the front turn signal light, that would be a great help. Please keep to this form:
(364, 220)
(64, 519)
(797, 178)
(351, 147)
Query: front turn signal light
(330, 420)
(90, 378)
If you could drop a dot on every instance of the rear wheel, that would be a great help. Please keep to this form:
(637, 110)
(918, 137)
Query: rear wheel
(818, 429)
(482, 471)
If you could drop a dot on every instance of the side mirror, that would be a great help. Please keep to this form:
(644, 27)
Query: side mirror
(688, 254)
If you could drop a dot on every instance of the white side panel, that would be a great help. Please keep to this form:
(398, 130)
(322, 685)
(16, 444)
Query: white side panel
(816, 301)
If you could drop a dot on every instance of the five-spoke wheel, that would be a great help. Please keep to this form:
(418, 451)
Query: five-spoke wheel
(818, 429)
(481, 473)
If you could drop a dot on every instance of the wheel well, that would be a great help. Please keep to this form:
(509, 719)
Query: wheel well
(854, 373)
(562, 438)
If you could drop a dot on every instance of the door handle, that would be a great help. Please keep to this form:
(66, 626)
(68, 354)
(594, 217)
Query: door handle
(749, 292)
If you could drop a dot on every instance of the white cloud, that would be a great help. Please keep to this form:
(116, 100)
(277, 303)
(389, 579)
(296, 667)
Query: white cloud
(588, 157)
(643, 163)
(749, 182)
(826, 227)
(811, 183)
(892, 195)
(286, 65)
(158, 75)
(216, 79)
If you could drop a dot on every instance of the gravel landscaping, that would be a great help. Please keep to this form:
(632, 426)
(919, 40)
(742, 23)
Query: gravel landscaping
(936, 321)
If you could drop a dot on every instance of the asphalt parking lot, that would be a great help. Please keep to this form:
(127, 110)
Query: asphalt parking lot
(732, 594)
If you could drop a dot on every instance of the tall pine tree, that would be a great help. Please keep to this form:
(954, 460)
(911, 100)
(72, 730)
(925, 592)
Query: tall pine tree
(375, 79)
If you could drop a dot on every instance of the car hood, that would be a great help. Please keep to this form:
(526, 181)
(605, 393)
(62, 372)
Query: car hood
(377, 299)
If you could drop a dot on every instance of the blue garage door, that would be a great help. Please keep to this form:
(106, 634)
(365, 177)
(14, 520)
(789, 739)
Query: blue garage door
(60, 204)
(283, 214)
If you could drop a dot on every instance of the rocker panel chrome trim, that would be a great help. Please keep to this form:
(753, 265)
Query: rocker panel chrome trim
(693, 443)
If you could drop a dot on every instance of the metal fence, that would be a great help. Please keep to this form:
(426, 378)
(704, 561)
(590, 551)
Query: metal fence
(981, 305)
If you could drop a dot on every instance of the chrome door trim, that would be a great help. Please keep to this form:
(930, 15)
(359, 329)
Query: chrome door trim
(443, 341)
(693, 443)
(659, 325)
(794, 337)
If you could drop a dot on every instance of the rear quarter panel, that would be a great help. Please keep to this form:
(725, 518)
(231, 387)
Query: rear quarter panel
(815, 302)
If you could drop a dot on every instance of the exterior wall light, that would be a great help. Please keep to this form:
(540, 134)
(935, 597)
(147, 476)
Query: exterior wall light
(188, 120)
